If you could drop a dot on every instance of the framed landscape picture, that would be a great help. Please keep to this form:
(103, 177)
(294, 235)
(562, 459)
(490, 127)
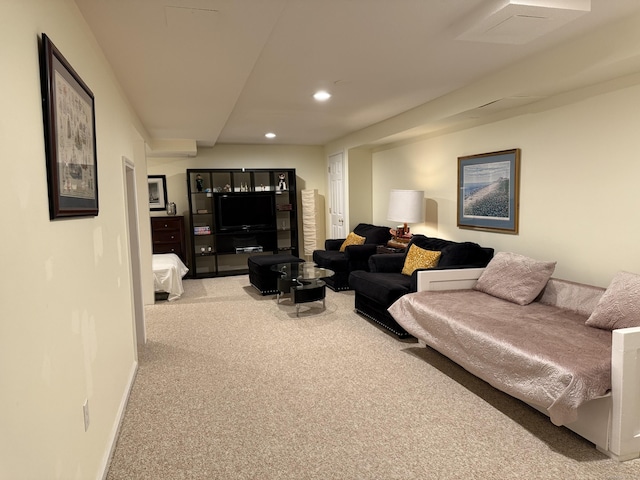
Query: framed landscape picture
(488, 191)
(70, 137)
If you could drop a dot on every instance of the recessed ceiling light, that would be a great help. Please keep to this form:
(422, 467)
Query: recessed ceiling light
(322, 96)
(270, 135)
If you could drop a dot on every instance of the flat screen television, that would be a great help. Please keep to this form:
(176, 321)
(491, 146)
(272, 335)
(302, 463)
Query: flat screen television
(245, 211)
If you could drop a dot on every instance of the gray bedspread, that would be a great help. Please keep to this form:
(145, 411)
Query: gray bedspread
(540, 354)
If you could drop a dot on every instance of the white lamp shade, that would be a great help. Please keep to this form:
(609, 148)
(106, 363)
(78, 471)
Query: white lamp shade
(406, 206)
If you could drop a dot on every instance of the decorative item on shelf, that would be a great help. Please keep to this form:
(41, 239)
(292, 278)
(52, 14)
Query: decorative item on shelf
(199, 183)
(285, 207)
(202, 211)
(202, 250)
(205, 230)
(209, 249)
(405, 206)
(171, 208)
(282, 184)
(227, 187)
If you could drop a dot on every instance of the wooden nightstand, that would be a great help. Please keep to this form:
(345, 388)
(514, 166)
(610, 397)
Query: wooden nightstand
(167, 234)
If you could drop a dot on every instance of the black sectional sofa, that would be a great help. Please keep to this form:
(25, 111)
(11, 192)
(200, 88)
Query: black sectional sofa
(376, 289)
(354, 257)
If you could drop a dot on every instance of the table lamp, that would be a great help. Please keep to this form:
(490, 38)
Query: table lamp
(405, 206)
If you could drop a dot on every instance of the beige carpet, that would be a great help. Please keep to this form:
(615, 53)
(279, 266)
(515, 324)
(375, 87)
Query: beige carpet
(232, 385)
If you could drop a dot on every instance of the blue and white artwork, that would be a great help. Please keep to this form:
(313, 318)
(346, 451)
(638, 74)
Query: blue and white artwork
(488, 191)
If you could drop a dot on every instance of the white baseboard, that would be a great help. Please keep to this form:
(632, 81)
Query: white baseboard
(118, 422)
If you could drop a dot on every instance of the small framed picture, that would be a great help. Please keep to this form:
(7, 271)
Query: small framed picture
(489, 190)
(157, 192)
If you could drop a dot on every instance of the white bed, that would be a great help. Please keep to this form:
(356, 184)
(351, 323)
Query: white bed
(168, 271)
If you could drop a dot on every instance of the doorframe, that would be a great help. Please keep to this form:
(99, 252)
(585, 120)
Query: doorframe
(133, 243)
(337, 231)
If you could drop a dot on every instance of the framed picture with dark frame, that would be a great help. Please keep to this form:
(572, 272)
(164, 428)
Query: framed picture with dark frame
(157, 192)
(70, 137)
(489, 191)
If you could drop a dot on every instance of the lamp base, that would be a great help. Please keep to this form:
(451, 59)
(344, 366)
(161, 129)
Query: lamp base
(401, 231)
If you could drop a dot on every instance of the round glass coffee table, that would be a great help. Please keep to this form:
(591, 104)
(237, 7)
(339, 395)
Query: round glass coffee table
(303, 281)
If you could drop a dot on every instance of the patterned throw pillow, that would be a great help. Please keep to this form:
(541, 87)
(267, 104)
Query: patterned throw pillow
(514, 277)
(352, 239)
(419, 258)
(619, 306)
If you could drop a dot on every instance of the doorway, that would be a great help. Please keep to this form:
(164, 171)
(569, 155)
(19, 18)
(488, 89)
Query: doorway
(131, 206)
(336, 196)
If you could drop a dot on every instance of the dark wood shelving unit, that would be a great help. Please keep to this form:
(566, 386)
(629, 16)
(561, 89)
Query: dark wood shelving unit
(214, 250)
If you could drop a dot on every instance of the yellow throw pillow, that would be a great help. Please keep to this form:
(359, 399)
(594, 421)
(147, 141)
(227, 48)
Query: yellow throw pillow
(419, 258)
(352, 239)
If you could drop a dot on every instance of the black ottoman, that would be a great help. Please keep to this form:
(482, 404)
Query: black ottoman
(260, 274)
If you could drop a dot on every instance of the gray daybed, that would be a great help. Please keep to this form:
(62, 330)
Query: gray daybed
(544, 352)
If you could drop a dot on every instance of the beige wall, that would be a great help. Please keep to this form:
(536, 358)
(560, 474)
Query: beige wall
(359, 193)
(309, 162)
(579, 197)
(66, 322)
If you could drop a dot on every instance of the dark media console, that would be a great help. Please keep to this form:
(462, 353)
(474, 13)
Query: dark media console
(236, 213)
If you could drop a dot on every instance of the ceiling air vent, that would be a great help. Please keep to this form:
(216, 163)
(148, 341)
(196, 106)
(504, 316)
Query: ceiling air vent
(519, 21)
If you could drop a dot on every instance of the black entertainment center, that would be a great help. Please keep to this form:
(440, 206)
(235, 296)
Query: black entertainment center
(236, 213)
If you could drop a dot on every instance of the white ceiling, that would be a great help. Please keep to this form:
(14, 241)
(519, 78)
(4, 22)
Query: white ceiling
(228, 71)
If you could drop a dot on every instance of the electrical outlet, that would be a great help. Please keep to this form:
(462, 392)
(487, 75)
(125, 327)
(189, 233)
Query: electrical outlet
(85, 411)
